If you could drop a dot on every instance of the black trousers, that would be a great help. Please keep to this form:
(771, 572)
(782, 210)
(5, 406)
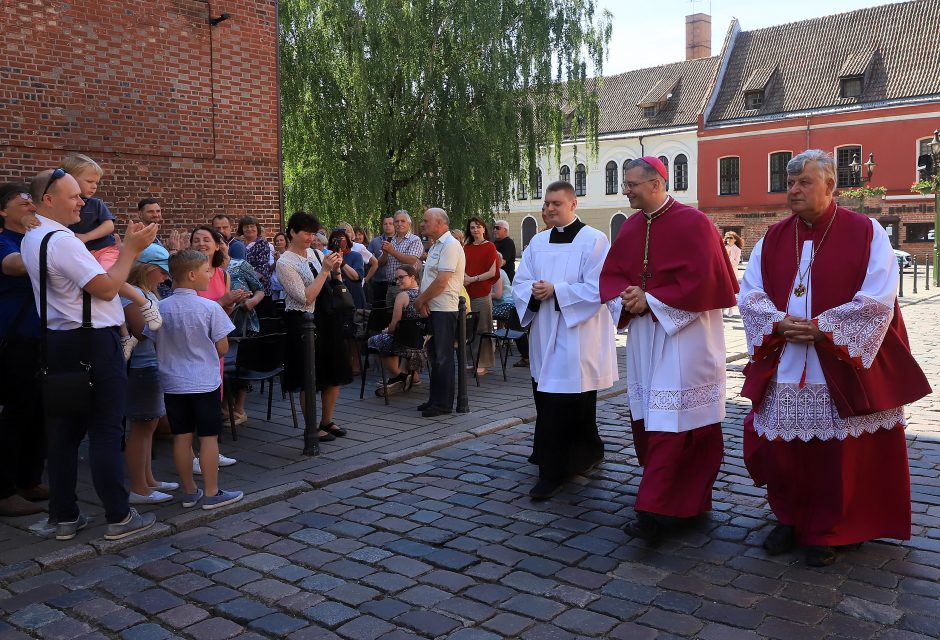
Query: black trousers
(22, 448)
(103, 426)
(566, 439)
(443, 327)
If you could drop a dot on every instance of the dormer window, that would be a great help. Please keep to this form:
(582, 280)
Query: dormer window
(657, 98)
(854, 72)
(757, 86)
(850, 87)
(754, 99)
(649, 112)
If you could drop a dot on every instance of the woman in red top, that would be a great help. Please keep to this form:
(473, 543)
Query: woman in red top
(481, 271)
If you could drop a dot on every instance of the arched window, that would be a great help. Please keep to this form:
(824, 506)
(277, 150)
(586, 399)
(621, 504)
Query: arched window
(680, 171)
(665, 162)
(529, 229)
(610, 178)
(538, 185)
(520, 192)
(565, 173)
(615, 223)
(580, 180)
(625, 163)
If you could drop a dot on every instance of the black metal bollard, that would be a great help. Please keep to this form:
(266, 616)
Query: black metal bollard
(900, 280)
(915, 274)
(463, 402)
(311, 426)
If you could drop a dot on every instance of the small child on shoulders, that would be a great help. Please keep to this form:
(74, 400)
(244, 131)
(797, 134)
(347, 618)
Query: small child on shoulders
(189, 344)
(96, 230)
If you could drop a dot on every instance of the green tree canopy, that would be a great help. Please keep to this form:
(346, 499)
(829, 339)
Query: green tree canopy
(403, 103)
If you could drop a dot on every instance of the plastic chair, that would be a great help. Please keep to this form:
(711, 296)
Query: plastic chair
(259, 358)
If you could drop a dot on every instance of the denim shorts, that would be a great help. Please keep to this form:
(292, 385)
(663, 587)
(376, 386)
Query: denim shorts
(144, 395)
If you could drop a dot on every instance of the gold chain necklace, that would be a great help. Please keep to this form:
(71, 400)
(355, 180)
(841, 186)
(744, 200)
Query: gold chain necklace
(645, 274)
(800, 289)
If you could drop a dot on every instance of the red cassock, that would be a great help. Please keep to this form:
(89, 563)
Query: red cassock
(857, 488)
(688, 270)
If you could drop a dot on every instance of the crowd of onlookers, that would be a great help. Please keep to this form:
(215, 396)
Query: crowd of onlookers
(151, 322)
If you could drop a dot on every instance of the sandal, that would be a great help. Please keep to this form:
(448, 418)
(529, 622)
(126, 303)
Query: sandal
(333, 430)
(326, 437)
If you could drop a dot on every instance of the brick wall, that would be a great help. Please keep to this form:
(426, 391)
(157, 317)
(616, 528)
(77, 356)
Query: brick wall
(169, 106)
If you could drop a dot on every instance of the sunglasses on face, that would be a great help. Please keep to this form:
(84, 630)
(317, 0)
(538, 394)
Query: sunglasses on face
(58, 173)
(400, 278)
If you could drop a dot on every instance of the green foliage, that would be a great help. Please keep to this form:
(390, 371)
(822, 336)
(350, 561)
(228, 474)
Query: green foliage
(930, 185)
(860, 193)
(390, 104)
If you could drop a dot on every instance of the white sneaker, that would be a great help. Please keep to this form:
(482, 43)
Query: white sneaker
(127, 345)
(166, 486)
(151, 313)
(155, 497)
(225, 461)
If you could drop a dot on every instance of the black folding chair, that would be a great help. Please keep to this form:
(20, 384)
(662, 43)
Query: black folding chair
(259, 358)
(472, 320)
(409, 334)
(378, 319)
(502, 338)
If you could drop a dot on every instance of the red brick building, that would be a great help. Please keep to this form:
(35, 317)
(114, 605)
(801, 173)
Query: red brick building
(170, 105)
(862, 82)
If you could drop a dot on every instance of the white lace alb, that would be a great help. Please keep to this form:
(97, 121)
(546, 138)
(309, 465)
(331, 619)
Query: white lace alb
(790, 412)
(675, 399)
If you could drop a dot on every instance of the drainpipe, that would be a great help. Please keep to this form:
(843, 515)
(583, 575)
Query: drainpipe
(807, 131)
(642, 149)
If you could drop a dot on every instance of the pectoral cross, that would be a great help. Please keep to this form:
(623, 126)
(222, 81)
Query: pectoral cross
(644, 276)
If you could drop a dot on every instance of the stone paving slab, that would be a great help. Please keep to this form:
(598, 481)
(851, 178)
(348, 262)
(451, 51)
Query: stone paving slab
(448, 545)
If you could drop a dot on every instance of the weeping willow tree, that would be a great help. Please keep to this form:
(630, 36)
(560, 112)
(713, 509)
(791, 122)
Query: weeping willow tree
(403, 103)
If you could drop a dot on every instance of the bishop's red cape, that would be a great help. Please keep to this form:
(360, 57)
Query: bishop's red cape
(676, 410)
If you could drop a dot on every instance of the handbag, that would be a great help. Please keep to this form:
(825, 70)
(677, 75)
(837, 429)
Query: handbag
(65, 393)
(334, 296)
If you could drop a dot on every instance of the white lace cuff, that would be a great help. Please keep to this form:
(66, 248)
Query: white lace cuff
(859, 326)
(759, 314)
(672, 320)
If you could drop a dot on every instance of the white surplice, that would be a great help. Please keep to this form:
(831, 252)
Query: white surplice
(790, 411)
(676, 368)
(571, 347)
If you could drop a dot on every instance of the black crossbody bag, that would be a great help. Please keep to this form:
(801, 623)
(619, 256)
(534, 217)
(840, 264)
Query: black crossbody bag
(64, 393)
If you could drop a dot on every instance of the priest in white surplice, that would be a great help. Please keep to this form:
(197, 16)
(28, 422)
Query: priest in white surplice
(673, 277)
(572, 352)
(830, 373)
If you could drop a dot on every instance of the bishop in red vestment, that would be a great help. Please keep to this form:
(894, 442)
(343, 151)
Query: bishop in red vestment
(670, 270)
(829, 374)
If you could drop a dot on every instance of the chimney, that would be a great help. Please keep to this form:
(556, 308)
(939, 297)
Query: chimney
(698, 36)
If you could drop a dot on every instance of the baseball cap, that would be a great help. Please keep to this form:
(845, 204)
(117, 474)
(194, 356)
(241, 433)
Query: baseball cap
(157, 256)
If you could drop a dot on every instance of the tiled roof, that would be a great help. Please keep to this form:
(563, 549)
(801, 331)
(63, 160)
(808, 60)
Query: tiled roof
(621, 94)
(894, 45)
(758, 79)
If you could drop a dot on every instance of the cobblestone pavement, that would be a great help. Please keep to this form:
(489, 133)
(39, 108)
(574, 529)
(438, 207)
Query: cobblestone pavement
(448, 545)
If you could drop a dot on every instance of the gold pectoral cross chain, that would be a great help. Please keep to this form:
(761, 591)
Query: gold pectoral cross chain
(645, 275)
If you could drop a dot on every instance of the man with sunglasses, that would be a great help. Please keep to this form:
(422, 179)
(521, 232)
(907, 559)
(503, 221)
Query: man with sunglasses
(72, 270)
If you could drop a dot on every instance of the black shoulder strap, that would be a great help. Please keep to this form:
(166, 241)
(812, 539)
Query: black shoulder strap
(43, 317)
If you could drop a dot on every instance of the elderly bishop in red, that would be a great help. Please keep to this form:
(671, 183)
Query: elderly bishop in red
(672, 274)
(829, 375)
